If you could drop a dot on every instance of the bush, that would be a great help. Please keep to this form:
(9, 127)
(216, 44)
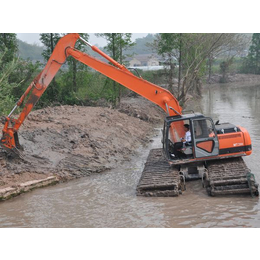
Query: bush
(6, 97)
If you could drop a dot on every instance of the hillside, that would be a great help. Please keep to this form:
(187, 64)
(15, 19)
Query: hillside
(141, 47)
(30, 51)
(33, 51)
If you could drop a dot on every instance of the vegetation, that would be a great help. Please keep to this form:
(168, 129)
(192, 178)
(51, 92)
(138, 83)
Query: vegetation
(117, 44)
(193, 52)
(189, 58)
(8, 45)
(15, 73)
(251, 63)
(6, 97)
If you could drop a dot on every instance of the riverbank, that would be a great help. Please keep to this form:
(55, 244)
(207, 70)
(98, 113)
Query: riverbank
(235, 78)
(68, 142)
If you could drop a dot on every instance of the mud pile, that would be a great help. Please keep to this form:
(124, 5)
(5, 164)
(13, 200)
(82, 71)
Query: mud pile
(74, 141)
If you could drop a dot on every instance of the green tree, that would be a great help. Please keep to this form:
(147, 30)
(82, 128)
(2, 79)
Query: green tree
(169, 46)
(74, 78)
(195, 48)
(117, 44)
(15, 73)
(8, 44)
(233, 45)
(252, 62)
(23, 74)
(6, 98)
(49, 41)
(75, 66)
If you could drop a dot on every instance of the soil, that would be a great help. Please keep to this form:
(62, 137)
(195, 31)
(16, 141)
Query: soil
(74, 141)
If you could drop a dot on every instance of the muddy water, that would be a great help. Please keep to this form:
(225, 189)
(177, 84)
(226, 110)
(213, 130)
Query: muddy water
(108, 199)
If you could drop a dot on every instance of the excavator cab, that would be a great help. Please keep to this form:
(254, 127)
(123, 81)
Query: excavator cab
(204, 140)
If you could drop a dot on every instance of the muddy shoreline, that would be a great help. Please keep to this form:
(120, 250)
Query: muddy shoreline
(68, 142)
(235, 78)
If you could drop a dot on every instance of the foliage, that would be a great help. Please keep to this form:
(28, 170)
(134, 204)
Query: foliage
(15, 74)
(224, 67)
(6, 98)
(117, 43)
(192, 52)
(233, 46)
(49, 41)
(23, 74)
(8, 45)
(252, 61)
(169, 46)
(72, 80)
(187, 58)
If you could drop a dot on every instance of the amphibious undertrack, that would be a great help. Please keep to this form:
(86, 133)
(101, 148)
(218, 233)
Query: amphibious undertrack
(159, 179)
(229, 176)
(221, 177)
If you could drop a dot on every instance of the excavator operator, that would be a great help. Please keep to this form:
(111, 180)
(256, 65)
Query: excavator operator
(186, 140)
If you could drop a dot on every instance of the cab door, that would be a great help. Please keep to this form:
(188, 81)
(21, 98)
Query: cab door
(205, 139)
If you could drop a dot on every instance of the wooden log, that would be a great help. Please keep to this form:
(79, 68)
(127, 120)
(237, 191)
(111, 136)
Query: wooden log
(26, 186)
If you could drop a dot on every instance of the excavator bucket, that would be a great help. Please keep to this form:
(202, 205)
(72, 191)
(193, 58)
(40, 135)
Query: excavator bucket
(10, 144)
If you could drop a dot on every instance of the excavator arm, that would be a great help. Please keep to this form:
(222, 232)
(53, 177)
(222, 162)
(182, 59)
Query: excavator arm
(117, 72)
(122, 75)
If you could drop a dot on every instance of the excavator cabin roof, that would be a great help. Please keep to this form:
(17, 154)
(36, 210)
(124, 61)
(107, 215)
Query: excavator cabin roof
(170, 119)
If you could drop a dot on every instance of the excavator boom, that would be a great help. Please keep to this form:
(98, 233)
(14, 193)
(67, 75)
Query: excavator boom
(117, 72)
(152, 92)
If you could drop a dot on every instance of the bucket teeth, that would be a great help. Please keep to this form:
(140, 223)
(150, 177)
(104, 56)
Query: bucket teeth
(12, 152)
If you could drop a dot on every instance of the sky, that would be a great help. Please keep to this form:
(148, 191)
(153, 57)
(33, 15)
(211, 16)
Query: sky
(32, 38)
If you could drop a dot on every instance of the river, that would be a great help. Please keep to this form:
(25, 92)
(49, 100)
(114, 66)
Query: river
(108, 200)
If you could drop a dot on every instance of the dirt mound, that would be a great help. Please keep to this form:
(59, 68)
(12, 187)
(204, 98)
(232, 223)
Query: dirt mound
(75, 141)
(143, 109)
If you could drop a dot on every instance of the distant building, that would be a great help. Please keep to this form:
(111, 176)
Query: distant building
(144, 60)
(148, 62)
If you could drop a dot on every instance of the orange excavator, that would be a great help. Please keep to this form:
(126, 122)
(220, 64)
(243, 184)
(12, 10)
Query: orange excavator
(212, 146)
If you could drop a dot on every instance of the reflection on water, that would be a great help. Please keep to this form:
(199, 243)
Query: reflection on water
(108, 199)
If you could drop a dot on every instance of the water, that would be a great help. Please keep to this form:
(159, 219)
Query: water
(109, 200)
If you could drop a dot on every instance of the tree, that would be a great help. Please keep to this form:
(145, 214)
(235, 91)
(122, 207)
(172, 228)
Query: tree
(252, 62)
(23, 74)
(169, 46)
(74, 77)
(8, 44)
(15, 72)
(224, 66)
(117, 44)
(74, 65)
(6, 98)
(195, 49)
(49, 41)
(233, 45)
